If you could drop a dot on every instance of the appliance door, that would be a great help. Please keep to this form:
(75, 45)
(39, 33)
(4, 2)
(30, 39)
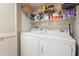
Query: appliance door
(48, 48)
(29, 45)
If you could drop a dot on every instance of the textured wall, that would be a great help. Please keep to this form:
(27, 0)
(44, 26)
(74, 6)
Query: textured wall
(25, 23)
(53, 24)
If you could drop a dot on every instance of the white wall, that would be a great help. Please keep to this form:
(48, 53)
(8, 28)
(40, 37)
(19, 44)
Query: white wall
(76, 24)
(76, 28)
(25, 23)
(22, 24)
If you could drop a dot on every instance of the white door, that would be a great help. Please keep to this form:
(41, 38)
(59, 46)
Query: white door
(29, 46)
(8, 46)
(8, 24)
(48, 48)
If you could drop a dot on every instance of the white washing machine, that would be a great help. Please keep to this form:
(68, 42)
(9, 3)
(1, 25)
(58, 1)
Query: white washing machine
(50, 43)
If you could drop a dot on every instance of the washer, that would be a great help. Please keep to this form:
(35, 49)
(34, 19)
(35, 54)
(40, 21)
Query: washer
(51, 43)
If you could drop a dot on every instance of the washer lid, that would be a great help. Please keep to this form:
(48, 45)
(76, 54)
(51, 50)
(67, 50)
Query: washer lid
(62, 37)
